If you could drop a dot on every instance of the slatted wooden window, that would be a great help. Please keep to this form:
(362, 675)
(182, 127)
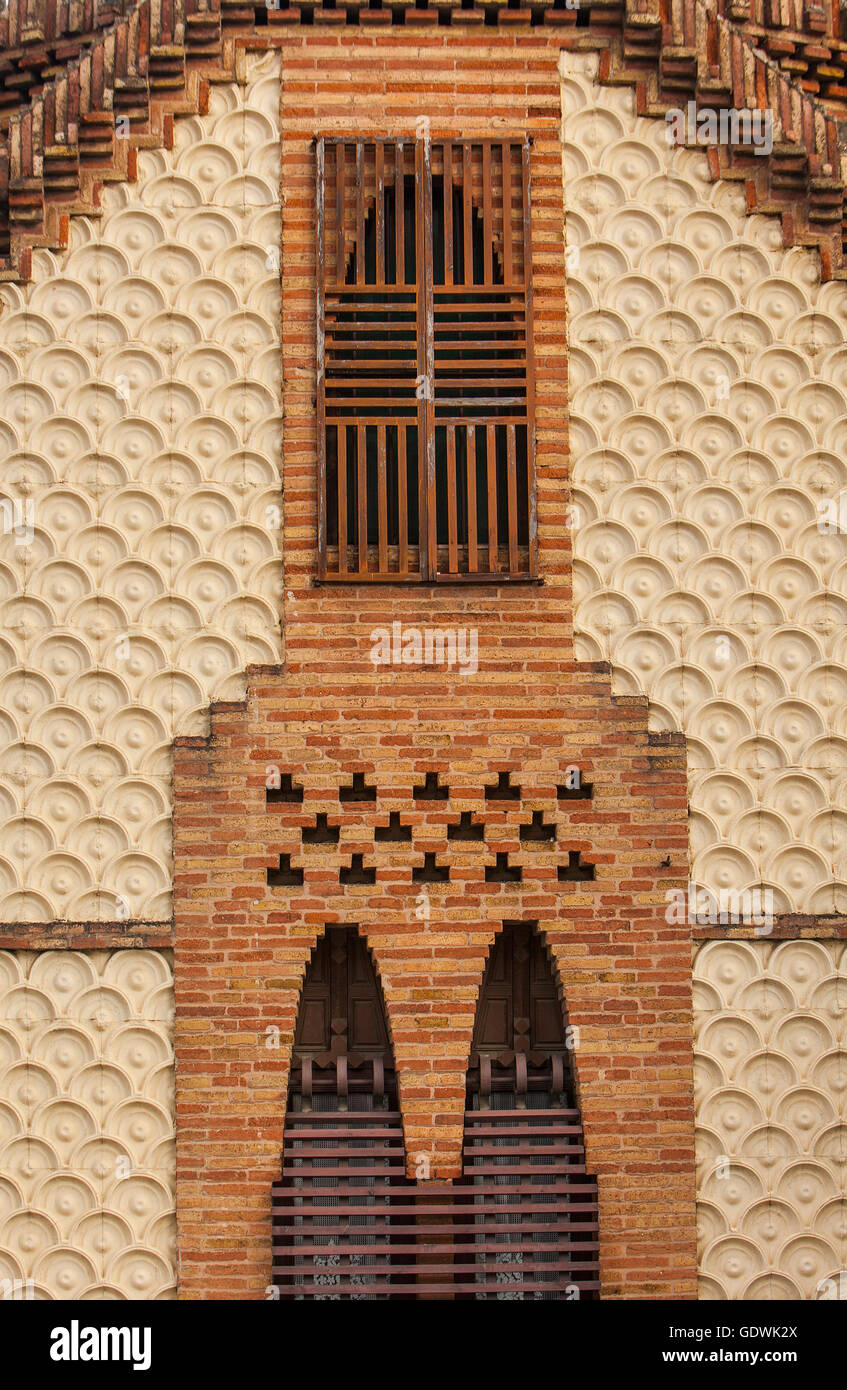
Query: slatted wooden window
(425, 402)
(337, 1232)
(525, 1196)
(520, 1223)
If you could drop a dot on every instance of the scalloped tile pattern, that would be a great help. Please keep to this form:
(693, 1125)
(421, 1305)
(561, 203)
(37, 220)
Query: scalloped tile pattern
(771, 1102)
(140, 437)
(86, 1125)
(708, 391)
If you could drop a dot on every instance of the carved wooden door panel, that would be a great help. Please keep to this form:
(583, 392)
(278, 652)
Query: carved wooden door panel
(341, 1044)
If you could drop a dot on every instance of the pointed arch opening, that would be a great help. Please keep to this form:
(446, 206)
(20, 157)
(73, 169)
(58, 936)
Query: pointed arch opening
(520, 1223)
(425, 401)
(342, 1057)
(529, 1220)
(522, 1048)
(343, 1226)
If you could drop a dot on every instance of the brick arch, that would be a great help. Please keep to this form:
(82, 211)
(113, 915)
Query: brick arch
(435, 1124)
(540, 934)
(447, 1132)
(634, 1090)
(430, 1076)
(241, 952)
(636, 1116)
(563, 961)
(433, 1113)
(558, 957)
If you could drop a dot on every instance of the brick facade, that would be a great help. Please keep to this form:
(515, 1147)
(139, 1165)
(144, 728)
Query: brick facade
(530, 710)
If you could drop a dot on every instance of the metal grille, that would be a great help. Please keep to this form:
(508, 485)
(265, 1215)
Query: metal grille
(426, 445)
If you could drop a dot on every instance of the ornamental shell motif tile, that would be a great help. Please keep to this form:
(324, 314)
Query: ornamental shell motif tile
(140, 404)
(770, 1022)
(708, 398)
(140, 399)
(86, 1125)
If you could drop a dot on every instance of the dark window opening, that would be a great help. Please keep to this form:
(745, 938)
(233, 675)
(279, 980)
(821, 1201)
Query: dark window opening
(520, 1223)
(497, 507)
(530, 1201)
(336, 1227)
(390, 451)
(341, 1018)
(424, 353)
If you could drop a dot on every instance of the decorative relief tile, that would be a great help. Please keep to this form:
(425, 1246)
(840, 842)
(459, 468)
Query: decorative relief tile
(86, 1125)
(139, 565)
(771, 1095)
(708, 391)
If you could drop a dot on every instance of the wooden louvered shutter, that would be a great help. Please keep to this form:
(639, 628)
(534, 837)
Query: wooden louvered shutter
(525, 1195)
(339, 1211)
(426, 435)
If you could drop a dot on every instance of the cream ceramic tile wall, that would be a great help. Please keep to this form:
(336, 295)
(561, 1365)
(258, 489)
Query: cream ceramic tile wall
(86, 1125)
(140, 488)
(708, 396)
(141, 432)
(771, 1088)
(708, 391)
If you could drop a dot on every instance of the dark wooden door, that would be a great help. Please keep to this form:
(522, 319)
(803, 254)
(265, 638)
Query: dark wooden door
(520, 1041)
(342, 1223)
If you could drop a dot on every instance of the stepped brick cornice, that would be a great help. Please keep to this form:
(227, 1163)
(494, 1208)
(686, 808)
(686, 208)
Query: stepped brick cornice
(803, 39)
(155, 61)
(701, 57)
(39, 37)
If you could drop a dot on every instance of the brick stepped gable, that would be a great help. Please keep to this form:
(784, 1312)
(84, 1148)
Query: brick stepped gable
(802, 40)
(698, 56)
(61, 147)
(150, 65)
(39, 37)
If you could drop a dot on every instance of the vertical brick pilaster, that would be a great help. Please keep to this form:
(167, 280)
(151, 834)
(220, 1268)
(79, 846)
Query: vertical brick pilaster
(530, 710)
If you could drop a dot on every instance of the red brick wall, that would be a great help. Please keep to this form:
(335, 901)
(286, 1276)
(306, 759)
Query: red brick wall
(241, 947)
(468, 84)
